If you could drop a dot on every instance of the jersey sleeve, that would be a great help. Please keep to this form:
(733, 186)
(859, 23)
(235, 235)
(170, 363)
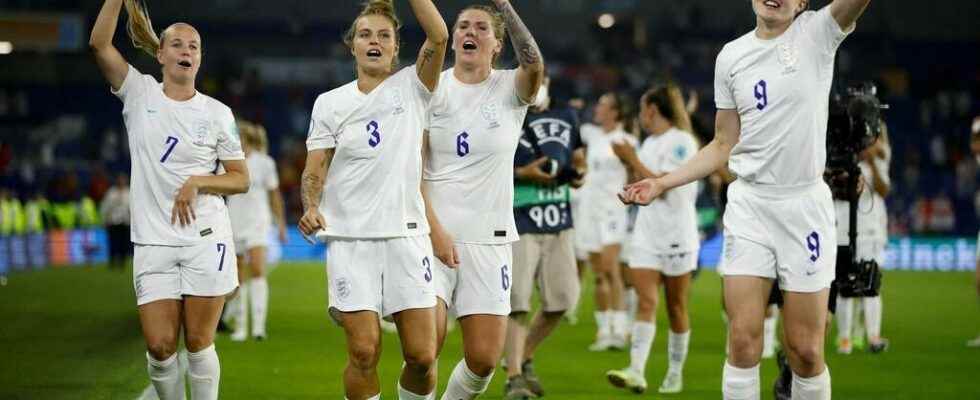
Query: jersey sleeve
(321, 135)
(229, 143)
(585, 133)
(510, 83)
(134, 85)
(419, 91)
(271, 181)
(823, 30)
(724, 93)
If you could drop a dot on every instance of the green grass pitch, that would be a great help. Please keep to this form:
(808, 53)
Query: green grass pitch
(74, 334)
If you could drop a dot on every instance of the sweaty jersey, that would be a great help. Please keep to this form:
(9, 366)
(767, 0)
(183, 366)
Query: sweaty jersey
(251, 210)
(170, 141)
(670, 222)
(372, 184)
(469, 175)
(606, 173)
(781, 90)
(540, 208)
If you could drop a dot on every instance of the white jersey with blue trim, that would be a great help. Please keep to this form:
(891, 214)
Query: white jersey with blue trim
(474, 131)
(781, 91)
(373, 183)
(170, 141)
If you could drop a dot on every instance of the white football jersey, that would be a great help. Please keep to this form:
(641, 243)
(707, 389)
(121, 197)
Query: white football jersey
(473, 134)
(872, 213)
(669, 225)
(606, 173)
(781, 90)
(170, 141)
(251, 210)
(373, 184)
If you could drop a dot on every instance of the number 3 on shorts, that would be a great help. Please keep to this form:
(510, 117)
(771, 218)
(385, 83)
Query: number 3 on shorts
(221, 260)
(428, 269)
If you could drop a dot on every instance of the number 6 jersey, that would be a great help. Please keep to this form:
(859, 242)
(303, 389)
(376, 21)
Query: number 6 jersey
(373, 183)
(781, 91)
(473, 133)
(170, 141)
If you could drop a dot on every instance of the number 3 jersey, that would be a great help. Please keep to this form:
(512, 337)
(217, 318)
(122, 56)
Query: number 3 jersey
(547, 208)
(373, 181)
(170, 141)
(781, 90)
(469, 175)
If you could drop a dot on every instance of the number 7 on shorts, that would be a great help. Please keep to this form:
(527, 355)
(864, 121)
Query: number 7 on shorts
(221, 261)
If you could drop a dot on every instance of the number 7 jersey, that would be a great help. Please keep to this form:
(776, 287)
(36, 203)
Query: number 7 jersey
(170, 141)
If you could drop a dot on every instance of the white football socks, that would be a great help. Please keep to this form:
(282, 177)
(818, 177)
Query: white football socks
(677, 344)
(815, 388)
(741, 383)
(872, 316)
(643, 334)
(204, 373)
(166, 377)
(464, 384)
(845, 315)
(259, 297)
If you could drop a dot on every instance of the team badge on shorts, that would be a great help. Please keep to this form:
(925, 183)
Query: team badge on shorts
(342, 286)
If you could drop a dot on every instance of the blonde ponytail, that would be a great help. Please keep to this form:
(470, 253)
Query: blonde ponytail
(669, 100)
(140, 28)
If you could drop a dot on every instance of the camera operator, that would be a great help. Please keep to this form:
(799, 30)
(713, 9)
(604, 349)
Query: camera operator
(872, 231)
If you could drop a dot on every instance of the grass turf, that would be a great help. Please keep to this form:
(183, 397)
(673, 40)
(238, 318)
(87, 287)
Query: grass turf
(74, 334)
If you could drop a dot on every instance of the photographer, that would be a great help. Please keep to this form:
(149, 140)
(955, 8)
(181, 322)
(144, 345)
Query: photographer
(872, 236)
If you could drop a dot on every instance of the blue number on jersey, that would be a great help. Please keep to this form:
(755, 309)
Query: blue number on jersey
(761, 94)
(375, 135)
(171, 143)
(462, 147)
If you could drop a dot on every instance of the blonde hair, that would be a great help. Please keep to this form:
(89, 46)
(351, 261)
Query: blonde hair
(669, 100)
(253, 136)
(497, 23)
(140, 28)
(384, 8)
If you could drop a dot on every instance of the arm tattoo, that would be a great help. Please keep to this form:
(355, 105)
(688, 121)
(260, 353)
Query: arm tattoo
(427, 54)
(311, 186)
(524, 45)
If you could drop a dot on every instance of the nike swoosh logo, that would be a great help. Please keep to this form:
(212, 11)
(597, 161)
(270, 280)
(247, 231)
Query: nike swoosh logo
(811, 273)
(151, 111)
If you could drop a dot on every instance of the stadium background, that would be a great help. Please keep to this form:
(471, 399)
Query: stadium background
(62, 141)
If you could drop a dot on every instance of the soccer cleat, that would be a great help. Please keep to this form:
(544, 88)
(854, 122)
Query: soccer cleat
(388, 326)
(533, 383)
(859, 343)
(239, 336)
(517, 389)
(222, 326)
(570, 317)
(844, 346)
(627, 379)
(618, 342)
(880, 346)
(974, 343)
(260, 337)
(673, 383)
(602, 343)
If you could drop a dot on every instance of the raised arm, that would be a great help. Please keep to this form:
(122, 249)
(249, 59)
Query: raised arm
(433, 52)
(311, 190)
(847, 12)
(710, 159)
(112, 64)
(530, 74)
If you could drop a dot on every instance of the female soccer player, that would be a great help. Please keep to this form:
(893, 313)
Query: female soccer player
(605, 220)
(252, 214)
(476, 121)
(665, 241)
(184, 261)
(361, 193)
(772, 87)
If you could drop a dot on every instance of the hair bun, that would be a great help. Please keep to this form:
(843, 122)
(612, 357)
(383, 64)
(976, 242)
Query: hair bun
(379, 7)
